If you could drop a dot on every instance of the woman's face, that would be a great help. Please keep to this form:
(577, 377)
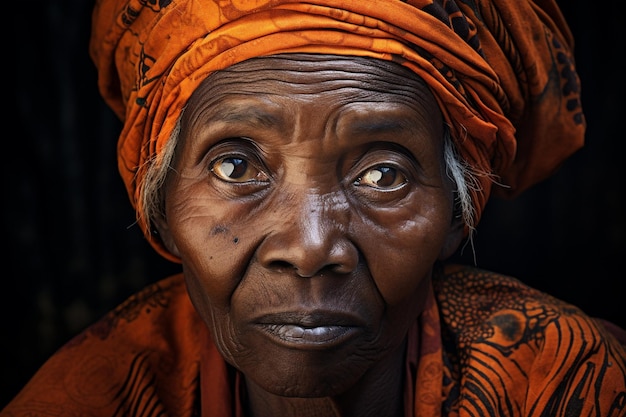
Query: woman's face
(308, 202)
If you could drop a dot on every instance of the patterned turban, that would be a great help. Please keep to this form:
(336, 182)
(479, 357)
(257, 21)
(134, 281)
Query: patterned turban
(502, 71)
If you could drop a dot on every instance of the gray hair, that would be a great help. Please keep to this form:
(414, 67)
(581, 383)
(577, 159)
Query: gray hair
(458, 170)
(152, 187)
(464, 180)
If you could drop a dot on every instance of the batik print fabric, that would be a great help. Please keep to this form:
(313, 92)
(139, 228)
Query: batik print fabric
(502, 71)
(487, 345)
(510, 350)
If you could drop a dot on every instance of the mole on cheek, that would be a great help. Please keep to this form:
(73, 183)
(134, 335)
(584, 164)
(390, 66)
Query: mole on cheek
(236, 240)
(218, 230)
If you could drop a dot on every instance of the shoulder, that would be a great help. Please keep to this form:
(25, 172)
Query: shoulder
(505, 340)
(482, 305)
(145, 351)
(470, 297)
(479, 306)
(145, 315)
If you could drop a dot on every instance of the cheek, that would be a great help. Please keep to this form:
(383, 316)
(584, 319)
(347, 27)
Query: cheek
(211, 274)
(401, 253)
(214, 259)
(214, 311)
(208, 235)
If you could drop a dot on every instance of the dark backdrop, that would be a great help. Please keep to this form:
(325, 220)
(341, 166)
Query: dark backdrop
(71, 251)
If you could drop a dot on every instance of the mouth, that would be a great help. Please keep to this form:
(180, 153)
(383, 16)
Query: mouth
(317, 330)
(293, 333)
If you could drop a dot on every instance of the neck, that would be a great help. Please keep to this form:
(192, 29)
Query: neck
(379, 393)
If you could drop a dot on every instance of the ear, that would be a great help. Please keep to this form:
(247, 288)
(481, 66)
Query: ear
(164, 234)
(455, 235)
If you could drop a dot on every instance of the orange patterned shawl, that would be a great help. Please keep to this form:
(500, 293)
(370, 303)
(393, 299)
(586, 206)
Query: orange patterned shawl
(501, 70)
(486, 345)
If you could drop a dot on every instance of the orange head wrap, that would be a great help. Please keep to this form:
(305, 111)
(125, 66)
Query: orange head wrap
(502, 70)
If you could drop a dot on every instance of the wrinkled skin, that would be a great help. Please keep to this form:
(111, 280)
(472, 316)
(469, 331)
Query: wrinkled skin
(308, 202)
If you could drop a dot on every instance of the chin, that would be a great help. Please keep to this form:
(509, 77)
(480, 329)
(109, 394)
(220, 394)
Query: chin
(306, 378)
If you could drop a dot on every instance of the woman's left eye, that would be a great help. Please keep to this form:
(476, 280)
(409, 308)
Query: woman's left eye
(382, 177)
(236, 169)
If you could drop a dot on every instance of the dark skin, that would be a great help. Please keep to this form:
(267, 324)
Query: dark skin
(308, 201)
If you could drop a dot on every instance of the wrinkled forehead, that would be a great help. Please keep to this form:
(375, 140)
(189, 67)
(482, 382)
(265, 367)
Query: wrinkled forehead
(316, 74)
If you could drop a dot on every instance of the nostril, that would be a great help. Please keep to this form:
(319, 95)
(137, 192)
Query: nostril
(282, 266)
(342, 268)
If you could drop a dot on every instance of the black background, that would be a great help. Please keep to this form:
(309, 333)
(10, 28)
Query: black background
(71, 252)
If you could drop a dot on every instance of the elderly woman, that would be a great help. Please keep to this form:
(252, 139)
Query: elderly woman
(312, 165)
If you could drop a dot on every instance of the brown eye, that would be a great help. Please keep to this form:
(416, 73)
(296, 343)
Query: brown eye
(383, 177)
(233, 169)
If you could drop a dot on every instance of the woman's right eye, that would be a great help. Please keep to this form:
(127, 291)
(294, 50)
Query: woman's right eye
(237, 170)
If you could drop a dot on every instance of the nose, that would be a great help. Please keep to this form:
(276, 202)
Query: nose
(310, 237)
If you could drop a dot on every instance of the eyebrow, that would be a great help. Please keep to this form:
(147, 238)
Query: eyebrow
(380, 125)
(249, 114)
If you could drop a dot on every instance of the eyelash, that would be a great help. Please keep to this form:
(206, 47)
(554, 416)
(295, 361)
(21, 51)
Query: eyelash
(382, 170)
(224, 166)
(232, 164)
